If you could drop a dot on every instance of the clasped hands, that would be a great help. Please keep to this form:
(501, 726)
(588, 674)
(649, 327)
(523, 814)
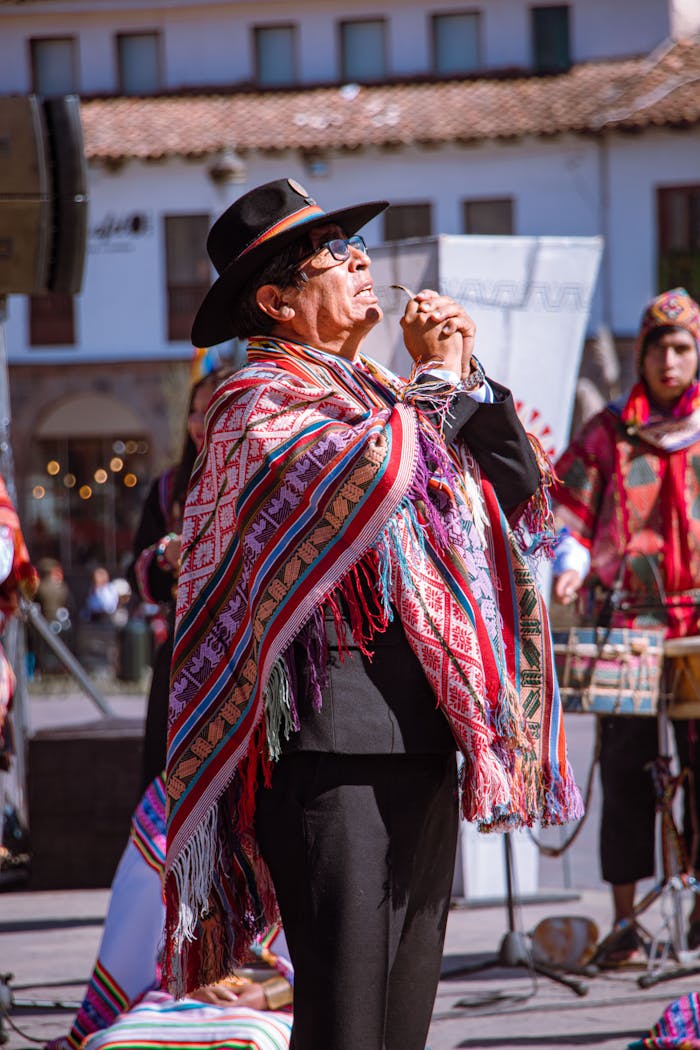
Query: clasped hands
(437, 330)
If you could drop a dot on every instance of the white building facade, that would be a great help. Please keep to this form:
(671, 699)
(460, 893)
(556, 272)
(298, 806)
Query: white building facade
(579, 119)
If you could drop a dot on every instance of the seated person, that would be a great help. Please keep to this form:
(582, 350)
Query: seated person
(127, 965)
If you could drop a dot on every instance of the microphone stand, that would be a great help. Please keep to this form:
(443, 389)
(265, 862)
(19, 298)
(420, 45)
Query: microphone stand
(514, 950)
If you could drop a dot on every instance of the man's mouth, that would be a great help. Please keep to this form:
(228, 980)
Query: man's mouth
(366, 290)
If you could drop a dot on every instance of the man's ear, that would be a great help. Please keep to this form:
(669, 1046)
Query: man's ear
(269, 299)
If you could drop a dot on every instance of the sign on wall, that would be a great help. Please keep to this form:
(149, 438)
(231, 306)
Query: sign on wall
(120, 231)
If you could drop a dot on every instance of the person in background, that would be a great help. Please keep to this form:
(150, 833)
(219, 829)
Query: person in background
(57, 606)
(629, 502)
(156, 552)
(102, 598)
(128, 967)
(348, 615)
(53, 593)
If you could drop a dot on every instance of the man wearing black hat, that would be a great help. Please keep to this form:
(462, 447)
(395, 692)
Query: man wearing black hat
(341, 632)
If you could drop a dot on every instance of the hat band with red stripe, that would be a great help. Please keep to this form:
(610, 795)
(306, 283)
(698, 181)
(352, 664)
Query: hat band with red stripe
(303, 215)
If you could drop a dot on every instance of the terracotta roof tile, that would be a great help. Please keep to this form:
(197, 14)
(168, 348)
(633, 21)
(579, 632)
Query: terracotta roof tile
(659, 89)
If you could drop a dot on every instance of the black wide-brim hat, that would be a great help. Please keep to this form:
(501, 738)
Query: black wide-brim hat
(254, 229)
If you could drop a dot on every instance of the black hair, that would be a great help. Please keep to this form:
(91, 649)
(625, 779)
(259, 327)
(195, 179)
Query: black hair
(283, 270)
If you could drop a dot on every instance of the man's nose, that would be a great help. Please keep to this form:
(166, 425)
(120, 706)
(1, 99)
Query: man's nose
(358, 258)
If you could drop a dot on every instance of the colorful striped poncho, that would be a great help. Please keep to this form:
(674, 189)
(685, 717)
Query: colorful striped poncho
(678, 1028)
(159, 1023)
(323, 481)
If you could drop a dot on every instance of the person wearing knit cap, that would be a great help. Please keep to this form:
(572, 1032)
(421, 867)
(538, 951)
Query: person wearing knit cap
(628, 502)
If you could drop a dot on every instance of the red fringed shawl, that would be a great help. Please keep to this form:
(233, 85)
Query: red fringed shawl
(318, 477)
(630, 491)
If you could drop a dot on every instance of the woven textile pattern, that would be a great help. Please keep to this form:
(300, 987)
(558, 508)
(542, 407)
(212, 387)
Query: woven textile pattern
(677, 1029)
(159, 1022)
(320, 476)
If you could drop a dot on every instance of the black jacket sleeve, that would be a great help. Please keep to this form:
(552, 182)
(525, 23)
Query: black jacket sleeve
(496, 438)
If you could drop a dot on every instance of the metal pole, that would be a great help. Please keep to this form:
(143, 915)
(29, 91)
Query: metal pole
(32, 614)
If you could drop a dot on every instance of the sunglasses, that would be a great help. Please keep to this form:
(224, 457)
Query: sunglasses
(339, 247)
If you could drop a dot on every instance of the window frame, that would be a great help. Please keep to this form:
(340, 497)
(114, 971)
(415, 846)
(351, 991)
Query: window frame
(404, 206)
(179, 322)
(665, 276)
(159, 63)
(468, 202)
(544, 68)
(435, 17)
(51, 328)
(293, 29)
(347, 77)
(69, 38)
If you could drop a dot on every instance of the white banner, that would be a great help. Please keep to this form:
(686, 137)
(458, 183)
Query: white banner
(530, 298)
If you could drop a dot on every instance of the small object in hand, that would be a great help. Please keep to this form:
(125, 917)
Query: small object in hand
(403, 288)
(278, 992)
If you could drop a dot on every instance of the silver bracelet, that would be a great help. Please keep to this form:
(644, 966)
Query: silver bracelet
(475, 378)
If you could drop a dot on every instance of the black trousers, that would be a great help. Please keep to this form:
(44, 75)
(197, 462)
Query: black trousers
(628, 745)
(361, 850)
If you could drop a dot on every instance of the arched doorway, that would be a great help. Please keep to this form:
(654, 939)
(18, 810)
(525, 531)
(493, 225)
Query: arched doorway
(89, 470)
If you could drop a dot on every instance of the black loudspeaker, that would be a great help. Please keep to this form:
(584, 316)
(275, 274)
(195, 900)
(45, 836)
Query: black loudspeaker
(84, 782)
(43, 195)
(69, 194)
(25, 196)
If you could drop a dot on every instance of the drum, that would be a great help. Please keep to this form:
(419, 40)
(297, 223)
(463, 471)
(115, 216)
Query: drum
(613, 671)
(683, 676)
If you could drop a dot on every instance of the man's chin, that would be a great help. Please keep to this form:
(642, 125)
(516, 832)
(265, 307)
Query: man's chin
(373, 314)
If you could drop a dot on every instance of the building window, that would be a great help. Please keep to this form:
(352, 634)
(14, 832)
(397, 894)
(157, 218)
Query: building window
(138, 60)
(51, 320)
(188, 270)
(490, 216)
(54, 66)
(275, 55)
(363, 50)
(550, 39)
(456, 43)
(678, 212)
(404, 221)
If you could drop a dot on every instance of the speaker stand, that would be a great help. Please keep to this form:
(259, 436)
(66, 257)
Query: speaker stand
(514, 950)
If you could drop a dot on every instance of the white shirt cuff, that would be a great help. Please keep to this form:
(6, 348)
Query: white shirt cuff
(483, 393)
(570, 554)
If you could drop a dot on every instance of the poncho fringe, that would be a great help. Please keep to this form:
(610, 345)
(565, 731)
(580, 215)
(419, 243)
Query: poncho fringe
(354, 509)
